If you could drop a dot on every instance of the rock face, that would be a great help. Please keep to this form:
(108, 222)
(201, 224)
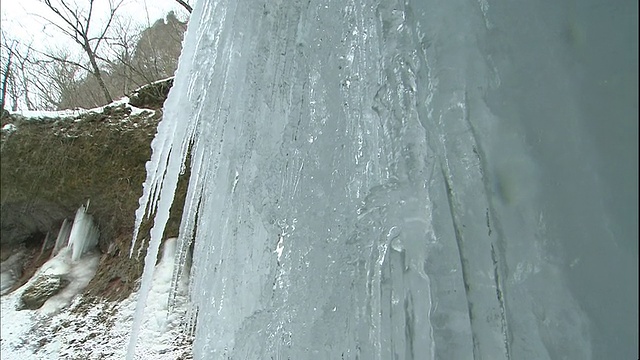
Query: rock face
(22, 219)
(50, 166)
(151, 96)
(11, 270)
(58, 161)
(44, 288)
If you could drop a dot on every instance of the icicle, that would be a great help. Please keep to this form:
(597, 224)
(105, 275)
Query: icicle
(46, 243)
(395, 233)
(150, 193)
(167, 192)
(169, 150)
(83, 235)
(187, 224)
(63, 237)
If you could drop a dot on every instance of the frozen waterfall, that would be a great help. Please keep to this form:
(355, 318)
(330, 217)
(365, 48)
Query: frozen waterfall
(83, 235)
(395, 180)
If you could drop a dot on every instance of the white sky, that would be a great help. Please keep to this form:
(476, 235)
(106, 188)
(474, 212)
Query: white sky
(22, 19)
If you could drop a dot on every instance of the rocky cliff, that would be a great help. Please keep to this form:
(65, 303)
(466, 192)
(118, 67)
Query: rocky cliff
(51, 163)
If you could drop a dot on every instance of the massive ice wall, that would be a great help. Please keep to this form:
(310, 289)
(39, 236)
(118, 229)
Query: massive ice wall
(364, 183)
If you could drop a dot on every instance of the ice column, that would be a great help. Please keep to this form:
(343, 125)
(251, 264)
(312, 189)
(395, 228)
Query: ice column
(84, 234)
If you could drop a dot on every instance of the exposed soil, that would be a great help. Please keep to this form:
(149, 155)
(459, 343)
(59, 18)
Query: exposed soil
(51, 166)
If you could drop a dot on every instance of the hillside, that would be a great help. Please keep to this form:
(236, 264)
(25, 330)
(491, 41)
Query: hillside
(55, 162)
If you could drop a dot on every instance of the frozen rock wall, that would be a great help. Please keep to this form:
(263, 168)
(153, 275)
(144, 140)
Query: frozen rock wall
(388, 179)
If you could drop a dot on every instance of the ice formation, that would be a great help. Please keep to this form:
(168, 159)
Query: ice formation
(75, 238)
(363, 185)
(83, 234)
(63, 237)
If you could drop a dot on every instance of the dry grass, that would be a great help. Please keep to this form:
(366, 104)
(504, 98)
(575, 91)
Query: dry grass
(97, 156)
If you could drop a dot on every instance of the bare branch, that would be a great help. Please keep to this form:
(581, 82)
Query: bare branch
(109, 21)
(65, 18)
(79, 26)
(66, 61)
(73, 35)
(185, 5)
(5, 79)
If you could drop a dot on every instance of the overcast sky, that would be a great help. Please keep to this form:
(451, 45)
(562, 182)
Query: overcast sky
(23, 20)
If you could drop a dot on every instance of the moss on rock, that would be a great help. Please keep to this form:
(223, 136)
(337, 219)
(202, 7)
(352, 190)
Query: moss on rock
(51, 166)
(151, 96)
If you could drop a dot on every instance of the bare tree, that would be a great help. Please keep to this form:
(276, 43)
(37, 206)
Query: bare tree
(121, 49)
(14, 88)
(55, 79)
(6, 74)
(25, 74)
(35, 80)
(58, 78)
(77, 24)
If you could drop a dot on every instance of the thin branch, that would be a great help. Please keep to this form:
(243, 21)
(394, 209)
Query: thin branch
(80, 33)
(106, 27)
(88, 21)
(185, 5)
(73, 35)
(63, 60)
(64, 18)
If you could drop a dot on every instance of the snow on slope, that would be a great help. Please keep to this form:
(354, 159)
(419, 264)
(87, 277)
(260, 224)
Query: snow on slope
(75, 113)
(58, 332)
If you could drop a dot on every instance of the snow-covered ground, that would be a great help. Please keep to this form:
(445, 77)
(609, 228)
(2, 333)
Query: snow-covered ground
(59, 330)
(75, 113)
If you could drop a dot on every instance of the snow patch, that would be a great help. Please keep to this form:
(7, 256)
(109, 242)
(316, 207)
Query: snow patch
(9, 128)
(58, 332)
(79, 273)
(75, 114)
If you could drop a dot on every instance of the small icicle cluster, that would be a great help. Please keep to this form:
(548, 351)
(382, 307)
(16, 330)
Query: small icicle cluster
(80, 235)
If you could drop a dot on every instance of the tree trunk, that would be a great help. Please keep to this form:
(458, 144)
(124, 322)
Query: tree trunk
(5, 80)
(13, 92)
(97, 73)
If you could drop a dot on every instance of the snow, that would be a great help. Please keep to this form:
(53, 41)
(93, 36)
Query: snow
(79, 271)
(55, 331)
(19, 342)
(72, 113)
(9, 128)
(152, 83)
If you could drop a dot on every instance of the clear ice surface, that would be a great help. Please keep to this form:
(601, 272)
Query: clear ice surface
(62, 239)
(83, 236)
(390, 179)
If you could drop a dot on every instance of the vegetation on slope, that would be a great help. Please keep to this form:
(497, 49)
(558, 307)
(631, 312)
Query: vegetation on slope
(51, 166)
